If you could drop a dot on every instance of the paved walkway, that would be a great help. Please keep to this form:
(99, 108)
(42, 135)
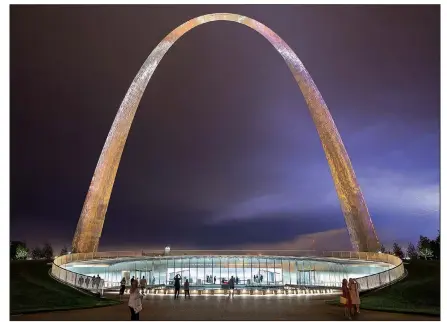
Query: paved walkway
(223, 308)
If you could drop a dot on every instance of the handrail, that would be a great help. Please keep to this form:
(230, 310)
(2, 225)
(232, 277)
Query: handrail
(76, 279)
(365, 283)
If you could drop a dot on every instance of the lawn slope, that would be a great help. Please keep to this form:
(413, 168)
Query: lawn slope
(419, 292)
(33, 290)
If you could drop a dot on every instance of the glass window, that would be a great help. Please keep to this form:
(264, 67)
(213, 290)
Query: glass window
(151, 274)
(224, 269)
(296, 276)
(278, 271)
(218, 266)
(161, 270)
(256, 266)
(208, 264)
(266, 276)
(193, 270)
(239, 267)
(252, 271)
(200, 271)
(232, 267)
(170, 272)
(286, 268)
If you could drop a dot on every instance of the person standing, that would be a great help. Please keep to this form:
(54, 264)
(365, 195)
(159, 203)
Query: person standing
(177, 279)
(98, 281)
(231, 285)
(143, 283)
(135, 302)
(186, 287)
(345, 299)
(81, 281)
(123, 287)
(355, 295)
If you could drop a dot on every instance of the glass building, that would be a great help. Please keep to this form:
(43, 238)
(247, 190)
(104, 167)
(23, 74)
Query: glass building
(215, 271)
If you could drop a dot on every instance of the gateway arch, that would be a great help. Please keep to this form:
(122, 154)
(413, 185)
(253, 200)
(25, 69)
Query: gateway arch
(358, 221)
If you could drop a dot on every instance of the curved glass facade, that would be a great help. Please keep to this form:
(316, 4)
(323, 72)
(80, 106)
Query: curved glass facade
(214, 271)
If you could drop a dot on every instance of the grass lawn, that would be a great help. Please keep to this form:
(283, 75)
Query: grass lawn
(33, 290)
(419, 292)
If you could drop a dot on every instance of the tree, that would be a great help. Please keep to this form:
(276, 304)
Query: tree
(382, 249)
(47, 251)
(424, 247)
(411, 251)
(18, 250)
(64, 251)
(22, 252)
(435, 246)
(397, 251)
(36, 253)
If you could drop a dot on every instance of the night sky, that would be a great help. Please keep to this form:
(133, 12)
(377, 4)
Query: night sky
(223, 152)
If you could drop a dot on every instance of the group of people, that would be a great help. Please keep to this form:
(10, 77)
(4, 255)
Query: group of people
(96, 281)
(350, 297)
(210, 280)
(142, 284)
(178, 278)
(258, 278)
(350, 294)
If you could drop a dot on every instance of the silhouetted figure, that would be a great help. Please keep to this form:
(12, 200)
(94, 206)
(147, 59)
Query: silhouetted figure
(132, 279)
(123, 287)
(214, 279)
(143, 283)
(261, 278)
(231, 285)
(186, 287)
(177, 280)
(98, 281)
(237, 280)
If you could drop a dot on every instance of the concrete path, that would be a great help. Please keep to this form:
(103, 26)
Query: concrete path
(223, 308)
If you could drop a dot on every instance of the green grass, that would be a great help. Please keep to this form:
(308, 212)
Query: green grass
(419, 292)
(32, 290)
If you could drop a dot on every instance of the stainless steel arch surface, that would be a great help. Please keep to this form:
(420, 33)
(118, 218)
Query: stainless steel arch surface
(358, 221)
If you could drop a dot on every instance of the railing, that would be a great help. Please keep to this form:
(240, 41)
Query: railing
(81, 281)
(366, 283)
(374, 281)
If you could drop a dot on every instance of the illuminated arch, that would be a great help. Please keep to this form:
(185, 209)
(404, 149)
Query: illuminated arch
(358, 221)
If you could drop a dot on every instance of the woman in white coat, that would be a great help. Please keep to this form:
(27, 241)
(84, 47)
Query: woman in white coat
(355, 296)
(135, 301)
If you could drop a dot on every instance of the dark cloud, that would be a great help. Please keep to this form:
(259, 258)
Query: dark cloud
(222, 150)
